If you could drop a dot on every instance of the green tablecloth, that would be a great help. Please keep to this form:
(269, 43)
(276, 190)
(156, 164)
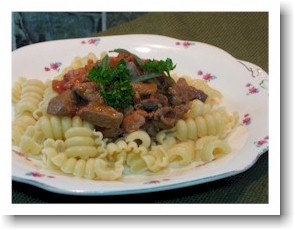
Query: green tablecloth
(242, 34)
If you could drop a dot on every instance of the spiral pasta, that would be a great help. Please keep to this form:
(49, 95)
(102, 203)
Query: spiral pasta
(49, 93)
(31, 96)
(79, 62)
(17, 89)
(210, 147)
(90, 168)
(55, 127)
(182, 153)
(31, 141)
(140, 135)
(197, 108)
(108, 171)
(216, 123)
(134, 160)
(157, 159)
(79, 142)
(19, 126)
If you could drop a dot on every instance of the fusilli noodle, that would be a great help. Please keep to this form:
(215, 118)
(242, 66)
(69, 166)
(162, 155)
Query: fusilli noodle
(216, 122)
(80, 143)
(17, 89)
(209, 148)
(55, 127)
(31, 96)
(19, 126)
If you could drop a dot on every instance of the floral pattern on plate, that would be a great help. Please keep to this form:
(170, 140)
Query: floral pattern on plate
(55, 66)
(91, 41)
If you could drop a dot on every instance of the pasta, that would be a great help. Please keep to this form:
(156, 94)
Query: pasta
(217, 123)
(157, 159)
(42, 106)
(17, 89)
(30, 141)
(76, 147)
(19, 126)
(198, 108)
(80, 143)
(141, 136)
(210, 147)
(55, 127)
(31, 95)
(106, 171)
(183, 153)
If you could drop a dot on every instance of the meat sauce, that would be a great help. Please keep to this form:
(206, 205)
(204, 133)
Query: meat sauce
(157, 103)
(72, 78)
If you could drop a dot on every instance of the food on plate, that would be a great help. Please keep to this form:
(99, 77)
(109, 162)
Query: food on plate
(109, 116)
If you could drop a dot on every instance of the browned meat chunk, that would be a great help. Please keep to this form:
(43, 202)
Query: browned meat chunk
(154, 102)
(101, 115)
(181, 93)
(133, 121)
(63, 104)
(164, 83)
(88, 91)
(166, 117)
(144, 88)
(111, 133)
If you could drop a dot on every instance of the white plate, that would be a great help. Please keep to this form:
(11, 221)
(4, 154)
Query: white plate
(244, 86)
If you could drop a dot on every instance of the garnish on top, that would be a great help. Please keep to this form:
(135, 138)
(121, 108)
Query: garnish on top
(115, 74)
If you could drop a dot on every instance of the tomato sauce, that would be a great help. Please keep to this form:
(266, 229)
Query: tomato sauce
(73, 77)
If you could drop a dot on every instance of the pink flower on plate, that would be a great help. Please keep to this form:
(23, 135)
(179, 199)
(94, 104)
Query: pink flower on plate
(35, 174)
(246, 119)
(200, 72)
(21, 155)
(185, 44)
(38, 174)
(156, 181)
(91, 41)
(46, 68)
(251, 89)
(261, 142)
(207, 76)
(153, 182)
(53, 66)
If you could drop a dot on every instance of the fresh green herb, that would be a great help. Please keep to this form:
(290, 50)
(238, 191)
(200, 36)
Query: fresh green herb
(159, 66)
(120, 95)
(146, 77)
(102, 74)
(114, 83)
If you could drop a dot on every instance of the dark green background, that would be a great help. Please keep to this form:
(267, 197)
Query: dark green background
(242, 34)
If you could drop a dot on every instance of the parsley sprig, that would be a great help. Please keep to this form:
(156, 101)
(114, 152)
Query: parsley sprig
(115, 81)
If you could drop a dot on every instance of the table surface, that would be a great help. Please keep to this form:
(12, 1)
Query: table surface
(242, 34)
